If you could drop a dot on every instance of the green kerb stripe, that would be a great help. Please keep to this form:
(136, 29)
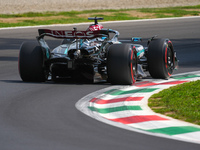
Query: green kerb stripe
(120, 92)
(186, 76)
(175, 130)
(114, 109)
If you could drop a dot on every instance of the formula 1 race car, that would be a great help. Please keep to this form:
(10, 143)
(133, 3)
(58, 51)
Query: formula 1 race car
(93, 54)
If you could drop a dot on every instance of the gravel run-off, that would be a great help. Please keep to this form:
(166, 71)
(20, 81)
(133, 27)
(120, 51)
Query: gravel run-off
(22, 6)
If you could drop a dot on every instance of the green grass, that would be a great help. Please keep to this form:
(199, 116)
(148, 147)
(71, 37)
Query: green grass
(180, 102)
(47, 18)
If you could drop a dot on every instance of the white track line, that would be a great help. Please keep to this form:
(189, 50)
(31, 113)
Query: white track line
(107, 22)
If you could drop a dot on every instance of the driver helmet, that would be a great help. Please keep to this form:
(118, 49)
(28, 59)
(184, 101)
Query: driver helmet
(94, 27)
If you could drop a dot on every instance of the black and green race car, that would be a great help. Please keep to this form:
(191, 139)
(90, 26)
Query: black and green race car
(95, 54)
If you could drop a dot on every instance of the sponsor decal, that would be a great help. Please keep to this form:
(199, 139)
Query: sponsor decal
(71, 34)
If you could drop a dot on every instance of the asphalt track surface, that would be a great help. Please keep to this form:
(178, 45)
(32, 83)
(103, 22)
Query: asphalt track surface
(42, 116)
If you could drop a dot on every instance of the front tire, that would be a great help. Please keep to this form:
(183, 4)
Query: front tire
(122, 64)
(161, 58)
(30, 62)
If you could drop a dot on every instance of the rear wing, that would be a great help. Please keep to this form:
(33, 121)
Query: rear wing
(68, 34)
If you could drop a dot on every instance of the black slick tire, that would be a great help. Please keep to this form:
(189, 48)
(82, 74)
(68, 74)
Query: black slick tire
(30, 62)
(160, 58)
(122, 64)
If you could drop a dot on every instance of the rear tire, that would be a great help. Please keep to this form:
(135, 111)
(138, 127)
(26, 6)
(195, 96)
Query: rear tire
(30, 63)
(160, 58)
(122, 64)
